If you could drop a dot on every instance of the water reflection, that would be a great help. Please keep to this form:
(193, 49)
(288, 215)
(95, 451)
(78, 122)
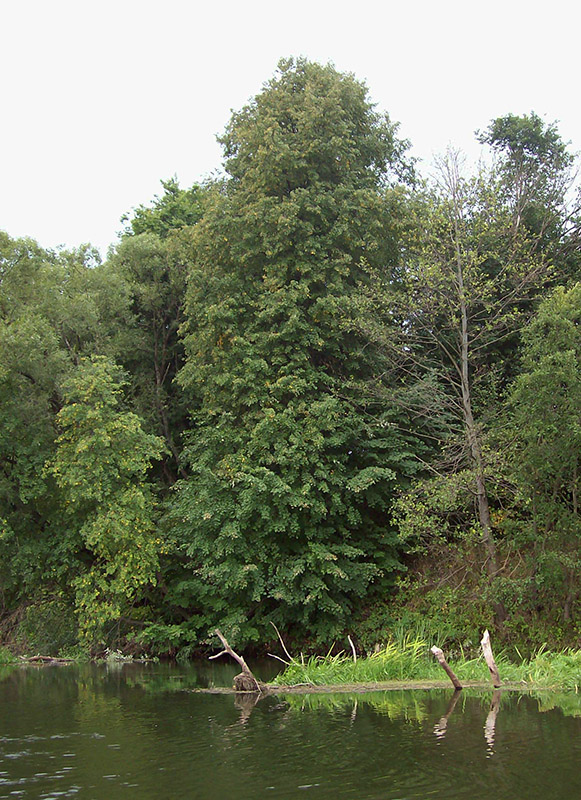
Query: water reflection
(140, 732)
(490, 724)
(442, 724)
(246, 702)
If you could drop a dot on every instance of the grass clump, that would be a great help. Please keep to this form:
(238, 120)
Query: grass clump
(562, 670)
(6, 657)
(409, 659)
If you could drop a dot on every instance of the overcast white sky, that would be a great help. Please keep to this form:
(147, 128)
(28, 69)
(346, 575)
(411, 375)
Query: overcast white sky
(101, 100)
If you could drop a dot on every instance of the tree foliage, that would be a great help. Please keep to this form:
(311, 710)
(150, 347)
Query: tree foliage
(100, 466)
(283, 516)
(49, 316)
(286, 386)
(546, 402)
(176, 208)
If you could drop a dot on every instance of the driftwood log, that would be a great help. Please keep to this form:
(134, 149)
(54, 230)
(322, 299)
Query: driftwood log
(489, 658)
(50, 660)
(245, 681)
(438, 653)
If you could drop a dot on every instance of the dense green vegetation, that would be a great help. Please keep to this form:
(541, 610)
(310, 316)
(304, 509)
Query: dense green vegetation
(318, 391)
(409, 660)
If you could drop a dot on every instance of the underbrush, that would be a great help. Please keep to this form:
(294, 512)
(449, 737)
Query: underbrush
(6, 657)
(447, 599)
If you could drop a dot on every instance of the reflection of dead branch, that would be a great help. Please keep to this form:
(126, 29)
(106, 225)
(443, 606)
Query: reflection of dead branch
(354, 712)
(442, 724)
(245, 702)
(490, 724)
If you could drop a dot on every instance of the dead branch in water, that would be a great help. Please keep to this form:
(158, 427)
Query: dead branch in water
(487, 652)
(444, 664)
(245, 681)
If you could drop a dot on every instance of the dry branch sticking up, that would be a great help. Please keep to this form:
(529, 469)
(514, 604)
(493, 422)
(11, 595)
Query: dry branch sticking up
(353, 649)
(245, 681)
(487, 652)
(444, 664)
(288, 655)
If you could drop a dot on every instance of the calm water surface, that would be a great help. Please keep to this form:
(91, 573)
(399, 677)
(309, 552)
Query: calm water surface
(135, 731)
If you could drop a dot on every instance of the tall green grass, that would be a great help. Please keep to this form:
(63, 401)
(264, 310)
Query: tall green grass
(410, 659)
(405, 660)
(6, 656)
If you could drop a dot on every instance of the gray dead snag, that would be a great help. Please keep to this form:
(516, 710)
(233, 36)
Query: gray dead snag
(489, 658)
(444, 664)
(245, 681)
(352, 649)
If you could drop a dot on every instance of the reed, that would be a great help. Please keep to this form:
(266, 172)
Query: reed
(409, 659)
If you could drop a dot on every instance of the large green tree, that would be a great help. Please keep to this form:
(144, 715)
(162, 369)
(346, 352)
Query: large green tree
(546, 447)
(292, 468)
(50, 310)
(100, 466)
(151, 263)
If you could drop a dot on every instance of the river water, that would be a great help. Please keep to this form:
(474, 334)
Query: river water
(136, 731)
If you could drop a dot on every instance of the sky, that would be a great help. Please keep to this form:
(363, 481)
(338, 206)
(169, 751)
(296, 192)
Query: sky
(102, 100)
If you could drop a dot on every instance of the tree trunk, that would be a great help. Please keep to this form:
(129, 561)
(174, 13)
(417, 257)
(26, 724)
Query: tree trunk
(470, 426)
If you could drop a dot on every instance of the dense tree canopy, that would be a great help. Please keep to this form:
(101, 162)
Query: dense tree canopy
(315, 391)
(283, 516)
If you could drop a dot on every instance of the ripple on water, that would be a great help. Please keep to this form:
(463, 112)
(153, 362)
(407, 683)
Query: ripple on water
(125, 743)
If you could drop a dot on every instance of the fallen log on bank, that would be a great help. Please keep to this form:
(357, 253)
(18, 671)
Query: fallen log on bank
(45, 660)
(362, 688)
(245, 681)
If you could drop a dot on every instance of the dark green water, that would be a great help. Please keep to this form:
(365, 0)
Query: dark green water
(133, 731)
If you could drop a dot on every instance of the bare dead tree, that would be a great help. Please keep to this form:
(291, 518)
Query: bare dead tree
(245, 681)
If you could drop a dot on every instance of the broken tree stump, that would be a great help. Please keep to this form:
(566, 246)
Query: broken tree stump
(245, 681)
(439, 654)
(489, 658)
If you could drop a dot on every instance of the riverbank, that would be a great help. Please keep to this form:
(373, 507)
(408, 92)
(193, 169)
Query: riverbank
(409, 662)
(405, 664)
(364, 688)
